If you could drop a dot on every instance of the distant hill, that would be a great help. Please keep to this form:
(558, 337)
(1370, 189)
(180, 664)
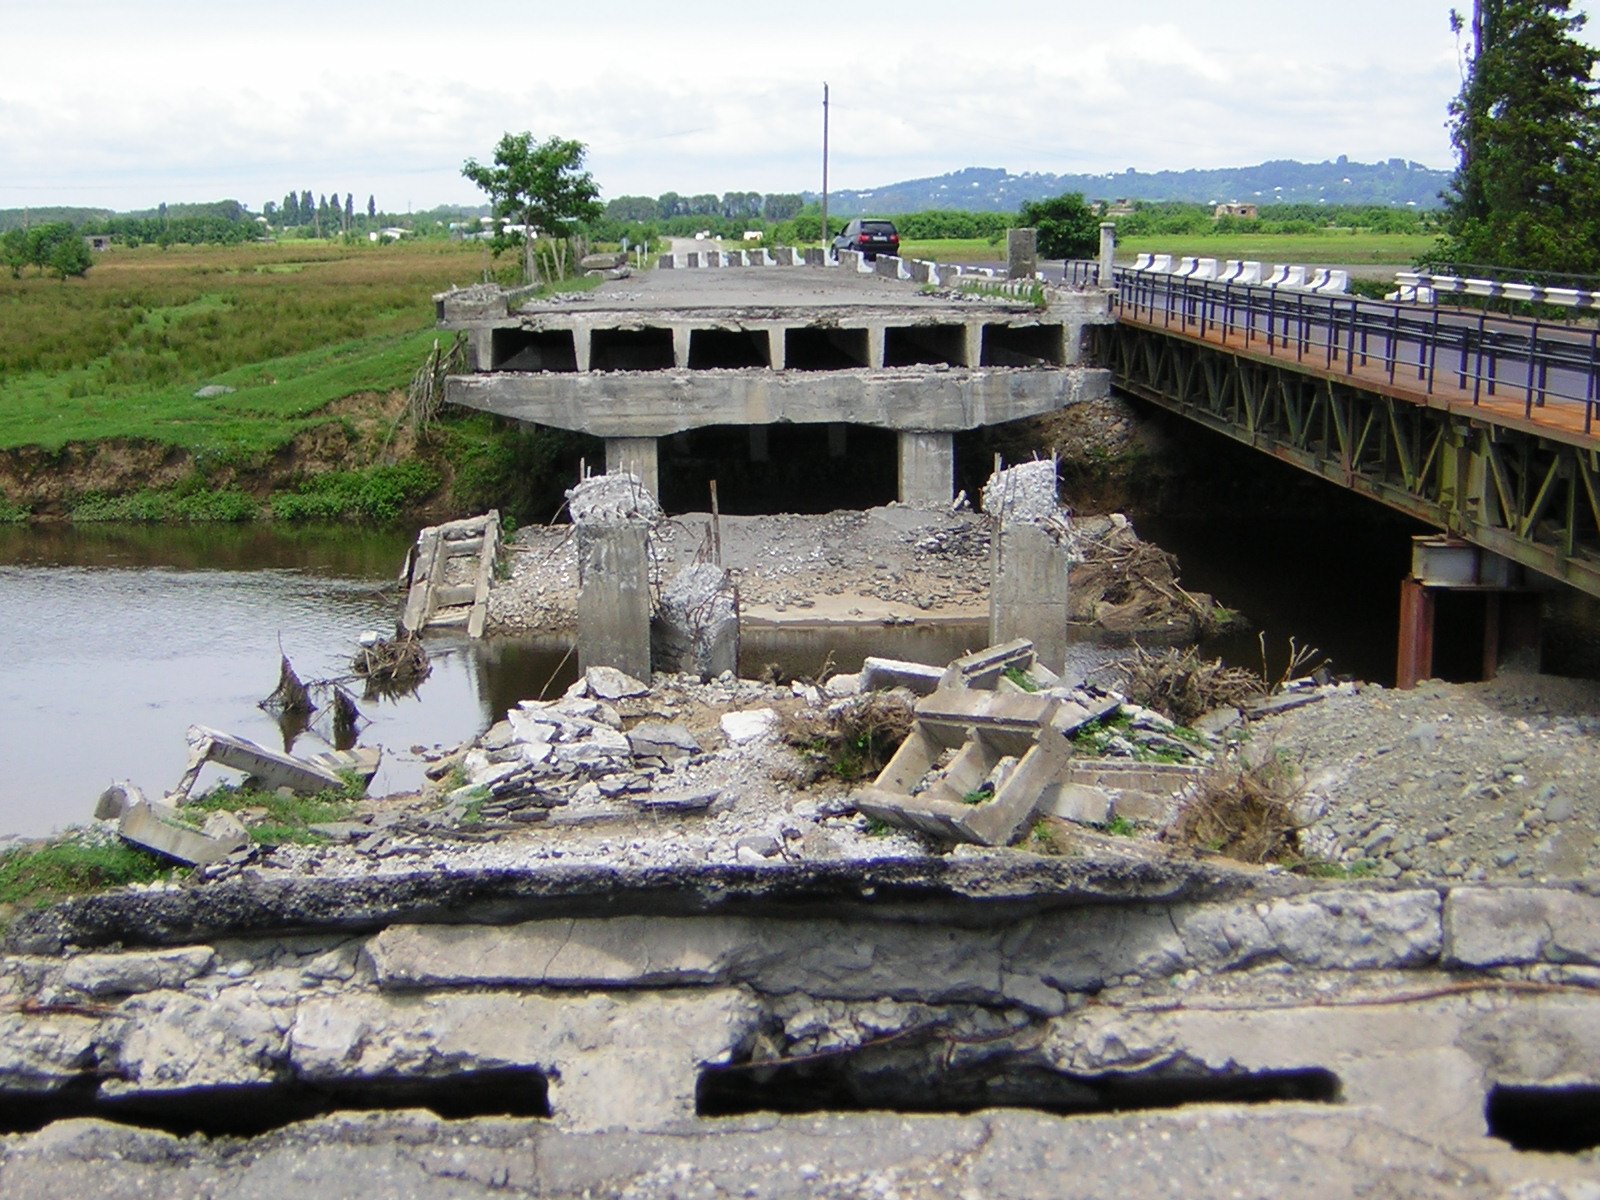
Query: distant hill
(992, 189)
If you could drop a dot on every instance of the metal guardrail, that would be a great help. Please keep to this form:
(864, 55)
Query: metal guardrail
(1483, 355)
(1080, 273)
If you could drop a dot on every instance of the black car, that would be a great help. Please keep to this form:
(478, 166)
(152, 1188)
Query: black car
(872, 238)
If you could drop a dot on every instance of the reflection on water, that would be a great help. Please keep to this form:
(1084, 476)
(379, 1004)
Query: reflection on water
(116, 640)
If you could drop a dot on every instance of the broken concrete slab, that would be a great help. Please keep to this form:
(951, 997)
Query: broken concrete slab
(1282, 702)
(659, 739)
(143, 826)
(268, 769)
(983, 668)
(116, 800)
(749, 724)
(608, 683)
(1076, 802)
(881, 674)
(673, 803)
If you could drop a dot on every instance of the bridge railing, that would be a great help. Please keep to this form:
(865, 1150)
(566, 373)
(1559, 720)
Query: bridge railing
(1479, 354)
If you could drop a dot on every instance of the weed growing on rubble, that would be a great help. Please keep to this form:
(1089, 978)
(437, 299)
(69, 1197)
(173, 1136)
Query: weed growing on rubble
(38, 876)
(273, 819)
(1245, 812)
(1020, 677)
(1121, 827)
(854, 742)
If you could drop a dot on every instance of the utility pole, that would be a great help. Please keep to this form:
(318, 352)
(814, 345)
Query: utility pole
(824, 168)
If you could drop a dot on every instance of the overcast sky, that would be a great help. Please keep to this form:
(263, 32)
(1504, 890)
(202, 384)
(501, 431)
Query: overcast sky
(123, 105)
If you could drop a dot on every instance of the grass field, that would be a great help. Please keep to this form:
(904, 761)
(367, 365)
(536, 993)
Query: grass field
(290, 327)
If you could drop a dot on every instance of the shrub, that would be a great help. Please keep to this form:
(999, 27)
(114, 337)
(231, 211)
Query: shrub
(378, 494)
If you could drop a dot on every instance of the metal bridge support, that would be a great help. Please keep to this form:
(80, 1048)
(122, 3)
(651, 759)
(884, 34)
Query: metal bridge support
(1449, 565)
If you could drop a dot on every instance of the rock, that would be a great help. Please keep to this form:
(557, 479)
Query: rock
(1217, 721)
(763, 844)
(658, 739)
(748, 725)
(1508, 926)
(1559, 808)
(212, 390)
(676, 802)
(696, 628)
(608, 683)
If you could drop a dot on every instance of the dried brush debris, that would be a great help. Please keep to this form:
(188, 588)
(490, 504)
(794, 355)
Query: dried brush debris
(291, 699)
(855, 738)
(392, 666)
(1244, 812)
(1183, 686)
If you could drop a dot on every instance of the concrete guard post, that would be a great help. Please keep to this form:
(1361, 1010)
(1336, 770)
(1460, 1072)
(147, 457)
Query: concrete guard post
(1022, 253)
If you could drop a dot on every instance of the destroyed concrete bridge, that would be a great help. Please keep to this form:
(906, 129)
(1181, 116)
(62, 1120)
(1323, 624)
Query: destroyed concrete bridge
(668, 352)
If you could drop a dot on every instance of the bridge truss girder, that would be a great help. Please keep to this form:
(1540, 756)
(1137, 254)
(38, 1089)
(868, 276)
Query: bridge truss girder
(1531, 499)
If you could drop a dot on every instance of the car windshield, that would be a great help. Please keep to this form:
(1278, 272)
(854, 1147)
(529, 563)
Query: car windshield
(879, 227)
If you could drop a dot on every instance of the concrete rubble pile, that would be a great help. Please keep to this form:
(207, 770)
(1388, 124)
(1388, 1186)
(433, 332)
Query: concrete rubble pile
(550, 754)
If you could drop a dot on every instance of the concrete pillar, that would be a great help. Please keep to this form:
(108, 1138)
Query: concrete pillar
(580, 346)
(776, 351)
(1108, 251)
(680, 346)
(1028, 589)
(875, 344)
(758, 444)
(927, 469)
(1022, 253)
(614, 597)
(480, 350)
(974, 344)
(838, 439)
(641, 455)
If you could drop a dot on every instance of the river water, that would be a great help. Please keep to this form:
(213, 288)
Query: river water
(116, 639)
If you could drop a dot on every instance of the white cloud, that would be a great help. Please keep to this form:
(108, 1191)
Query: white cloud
(195, 101)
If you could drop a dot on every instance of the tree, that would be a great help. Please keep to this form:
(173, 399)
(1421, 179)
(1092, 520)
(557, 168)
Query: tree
(372, 206)
(539, 187)
(70, 256)
(1526, 126)
(1067, 226)
(14, 251)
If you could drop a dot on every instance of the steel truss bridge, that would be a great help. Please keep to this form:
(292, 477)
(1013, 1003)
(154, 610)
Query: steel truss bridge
(1482, 425)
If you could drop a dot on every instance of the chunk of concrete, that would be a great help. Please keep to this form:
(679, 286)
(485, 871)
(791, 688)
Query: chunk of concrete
(268, 769)
(1076, 802)
(608, 683)
(142, 825)
(658, 739)
(881, 674)
(116, 800)
(696, 626)
(983, 668)
(749, 724)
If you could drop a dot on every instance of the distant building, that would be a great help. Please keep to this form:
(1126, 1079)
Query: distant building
(1245, 212)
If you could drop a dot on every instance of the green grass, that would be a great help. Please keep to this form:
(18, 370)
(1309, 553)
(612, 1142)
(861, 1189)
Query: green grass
(281, 818)
(36, 876)
(954, 250)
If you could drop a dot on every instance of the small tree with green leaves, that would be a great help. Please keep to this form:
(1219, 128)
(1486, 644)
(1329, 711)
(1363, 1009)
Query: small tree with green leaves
(1527, 128)
(1067, 226)
(539, 186)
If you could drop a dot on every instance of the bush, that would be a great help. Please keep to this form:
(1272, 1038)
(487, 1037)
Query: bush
(71, 865)
(377, 494)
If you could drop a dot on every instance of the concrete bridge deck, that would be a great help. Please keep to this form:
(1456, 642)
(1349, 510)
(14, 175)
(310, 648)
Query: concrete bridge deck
(666, 352)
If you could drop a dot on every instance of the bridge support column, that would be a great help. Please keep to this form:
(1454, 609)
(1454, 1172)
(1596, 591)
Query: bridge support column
(642, 456)
(614, 597)
(1510, 613)
(927, 469)
(759, 452)
(838, 439)
(1028, 589)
